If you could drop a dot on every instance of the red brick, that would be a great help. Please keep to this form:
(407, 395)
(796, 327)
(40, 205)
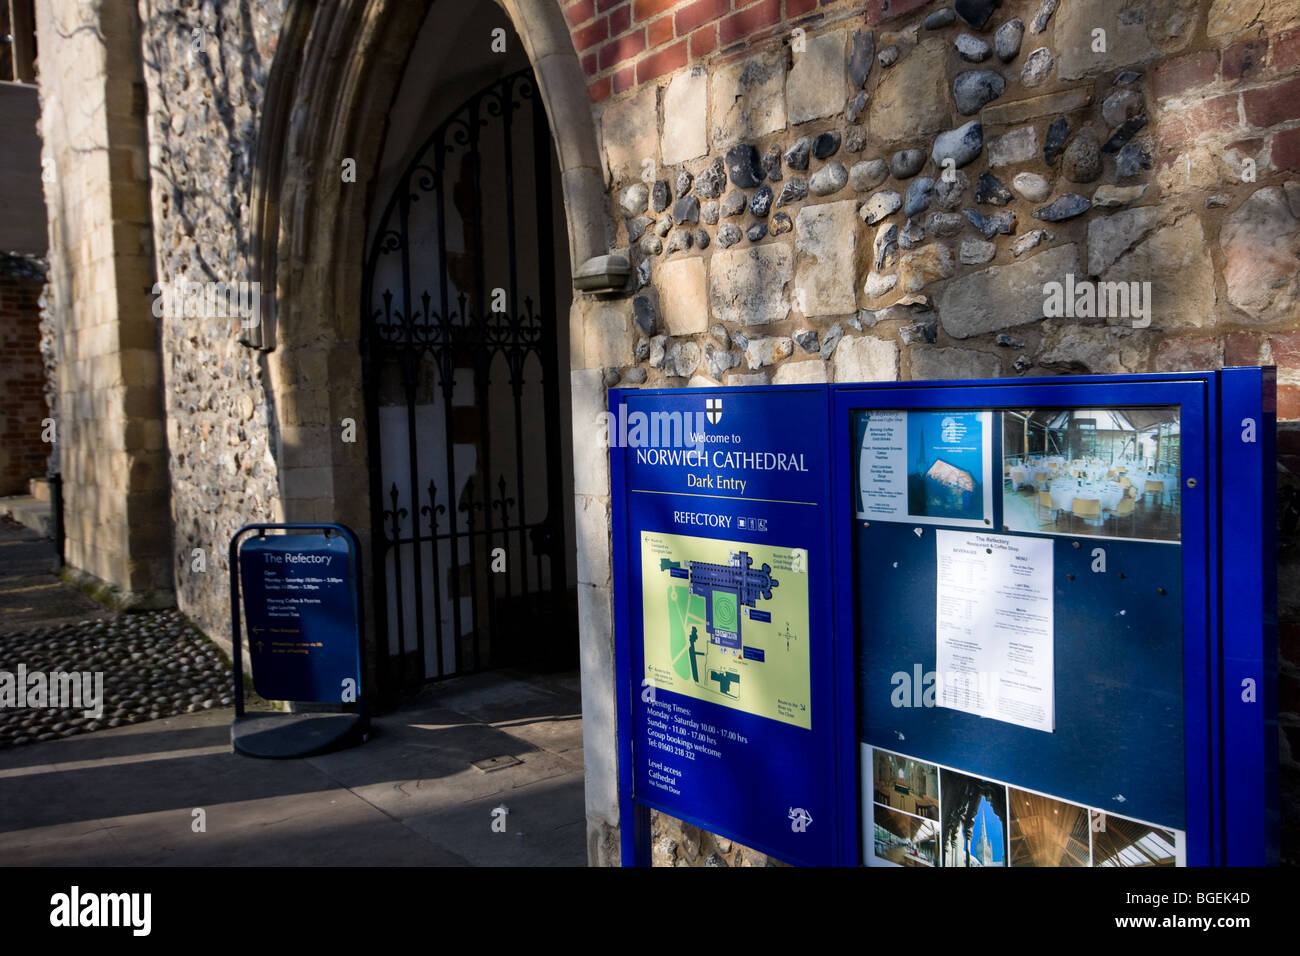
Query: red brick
(620, 20)
(1285, 54)
(1186, 72)
(622, 49)
(1243, 61)
(624, 79)
(598, 89)
(590, 66)
(699, 13)
(590, 35)
(751, 20)
(704, 41)
(659, 32)
(664, 61)
(797, 8)
(878, 11)
(1274, 104)
(1288, 403)
(604, 6)
(580, 12)
(1285, 347)
(647, 9)
(1286, 151)
(1179, 127)
(1241, 348)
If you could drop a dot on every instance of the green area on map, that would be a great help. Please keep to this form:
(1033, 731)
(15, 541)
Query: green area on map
(714, 648)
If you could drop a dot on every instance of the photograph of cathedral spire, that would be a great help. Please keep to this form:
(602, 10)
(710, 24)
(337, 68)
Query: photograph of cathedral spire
(1118, 841)
(905, 840)
(974, 814)
(1047, 832)
(945, 476)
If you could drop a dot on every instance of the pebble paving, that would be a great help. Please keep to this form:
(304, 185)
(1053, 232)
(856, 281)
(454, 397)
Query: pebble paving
(154, 665)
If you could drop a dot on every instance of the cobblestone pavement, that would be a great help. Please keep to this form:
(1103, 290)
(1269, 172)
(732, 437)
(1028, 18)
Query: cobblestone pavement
(142, 666)
(152, 665)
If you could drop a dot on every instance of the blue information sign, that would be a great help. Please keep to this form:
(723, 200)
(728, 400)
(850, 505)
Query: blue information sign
(725, 538)
(301, 616)
(975, 624)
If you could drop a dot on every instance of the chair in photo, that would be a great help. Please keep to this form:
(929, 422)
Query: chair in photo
(1125, 483)
(1089, 509)
(1127, 508)
(1047, 509)
(1155, 491)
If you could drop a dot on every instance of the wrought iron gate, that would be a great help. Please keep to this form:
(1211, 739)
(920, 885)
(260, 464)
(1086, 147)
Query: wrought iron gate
(460, 360)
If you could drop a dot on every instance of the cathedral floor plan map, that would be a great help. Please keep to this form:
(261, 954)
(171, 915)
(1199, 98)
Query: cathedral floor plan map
(728, 622)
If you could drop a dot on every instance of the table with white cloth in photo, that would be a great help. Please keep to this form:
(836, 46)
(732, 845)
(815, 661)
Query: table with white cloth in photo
(1037, 475)
(1064, 491)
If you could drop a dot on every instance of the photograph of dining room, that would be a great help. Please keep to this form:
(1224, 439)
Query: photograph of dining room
(1046, 831)
(973, 815)
(1103, 472)
(1118, 841)
(905, 840)
(905, 784)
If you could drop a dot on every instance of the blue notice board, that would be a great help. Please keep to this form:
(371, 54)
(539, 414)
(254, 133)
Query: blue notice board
(934, 624)
(301, 616)
(722, 533)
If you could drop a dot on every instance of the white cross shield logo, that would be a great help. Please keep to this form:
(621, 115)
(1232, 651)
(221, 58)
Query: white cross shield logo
(714, 409)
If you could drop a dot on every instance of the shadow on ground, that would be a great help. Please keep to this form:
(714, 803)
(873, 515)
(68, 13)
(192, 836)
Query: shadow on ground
(409, 796)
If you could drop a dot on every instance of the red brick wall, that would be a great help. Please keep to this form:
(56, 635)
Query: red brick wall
(22, 383)
(1250, 87)
(624, 43)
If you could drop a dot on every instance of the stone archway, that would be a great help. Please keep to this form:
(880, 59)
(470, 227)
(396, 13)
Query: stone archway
(336, 70)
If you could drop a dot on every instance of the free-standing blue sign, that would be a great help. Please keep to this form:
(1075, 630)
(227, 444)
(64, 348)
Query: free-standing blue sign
(725, 540)
(301, 616)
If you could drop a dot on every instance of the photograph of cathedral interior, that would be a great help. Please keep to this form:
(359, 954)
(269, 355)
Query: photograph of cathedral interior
(905, 784)
(1046, 832)
(905, 840)
(974, 815)
(1117, 841)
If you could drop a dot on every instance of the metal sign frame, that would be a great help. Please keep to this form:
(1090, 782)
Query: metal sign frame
(361, 722)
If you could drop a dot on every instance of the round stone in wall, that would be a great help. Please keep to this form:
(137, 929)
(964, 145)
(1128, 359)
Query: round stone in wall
(1031, 186)
(906, 163)
(744, 166)
(1006, 41)
(868, 174)
(831, 178)
(1081, 161)
(826, 145)
(972, 48)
